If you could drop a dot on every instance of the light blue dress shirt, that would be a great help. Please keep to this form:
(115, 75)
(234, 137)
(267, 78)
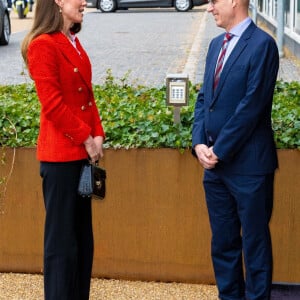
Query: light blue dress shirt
(236, 31)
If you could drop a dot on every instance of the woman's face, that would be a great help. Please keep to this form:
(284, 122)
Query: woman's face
(72, 11)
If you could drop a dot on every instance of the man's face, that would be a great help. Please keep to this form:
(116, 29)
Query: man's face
(223, 12)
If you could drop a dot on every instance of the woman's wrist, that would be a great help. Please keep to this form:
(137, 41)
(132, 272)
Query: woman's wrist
(88, 140)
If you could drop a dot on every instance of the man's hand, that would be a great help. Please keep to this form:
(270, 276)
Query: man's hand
(206, 156)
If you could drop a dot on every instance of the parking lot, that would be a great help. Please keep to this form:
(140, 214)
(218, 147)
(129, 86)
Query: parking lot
(150, 43)
(145, 44)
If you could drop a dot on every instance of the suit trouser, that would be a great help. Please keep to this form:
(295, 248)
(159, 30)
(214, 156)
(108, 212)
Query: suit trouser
(240, 209)
(68, 238)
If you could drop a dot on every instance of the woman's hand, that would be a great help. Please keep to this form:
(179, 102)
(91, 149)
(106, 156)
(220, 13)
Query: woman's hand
(99, 144)
(92, 149)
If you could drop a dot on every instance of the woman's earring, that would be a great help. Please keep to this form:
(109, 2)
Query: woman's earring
(60, 10)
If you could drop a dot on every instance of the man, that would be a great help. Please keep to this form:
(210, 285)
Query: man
(233, 141)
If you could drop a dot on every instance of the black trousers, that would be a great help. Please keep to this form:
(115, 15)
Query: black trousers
(68, 239)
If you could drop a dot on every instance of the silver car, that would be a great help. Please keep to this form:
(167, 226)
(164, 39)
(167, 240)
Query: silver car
(5, 28)
(113, 5)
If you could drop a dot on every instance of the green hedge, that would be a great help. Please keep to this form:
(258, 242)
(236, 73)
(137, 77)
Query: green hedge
(137, 116)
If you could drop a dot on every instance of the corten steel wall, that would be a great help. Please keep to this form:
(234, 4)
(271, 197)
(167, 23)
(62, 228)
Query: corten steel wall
(153, 225)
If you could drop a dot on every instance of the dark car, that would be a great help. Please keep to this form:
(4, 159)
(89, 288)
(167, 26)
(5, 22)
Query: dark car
(113, 5)
(5, 28)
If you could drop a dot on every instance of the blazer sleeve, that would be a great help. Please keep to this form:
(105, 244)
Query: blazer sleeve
(198, 131)
(97, 129)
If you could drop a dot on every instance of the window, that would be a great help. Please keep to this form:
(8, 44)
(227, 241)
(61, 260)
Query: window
(291, 8)
(287, 13)
(297, 16)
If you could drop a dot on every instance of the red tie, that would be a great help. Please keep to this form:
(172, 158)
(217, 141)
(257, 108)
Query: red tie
(219, 67)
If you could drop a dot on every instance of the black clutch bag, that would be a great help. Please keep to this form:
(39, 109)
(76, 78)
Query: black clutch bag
(92, 181)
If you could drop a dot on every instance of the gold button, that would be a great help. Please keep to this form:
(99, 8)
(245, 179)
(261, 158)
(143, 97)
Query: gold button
(75, 70)
(80, 89)
(90, 103)
(83, 107)
(68, 136)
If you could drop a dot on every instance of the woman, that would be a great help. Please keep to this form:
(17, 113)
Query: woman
(70, 132)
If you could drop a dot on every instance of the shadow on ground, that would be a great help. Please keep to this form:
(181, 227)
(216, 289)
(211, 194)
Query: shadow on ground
(285, 292)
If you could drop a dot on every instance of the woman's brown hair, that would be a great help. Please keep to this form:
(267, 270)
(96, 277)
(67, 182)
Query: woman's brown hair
(48, 19)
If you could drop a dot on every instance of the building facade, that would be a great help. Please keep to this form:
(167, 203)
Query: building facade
(267, 11)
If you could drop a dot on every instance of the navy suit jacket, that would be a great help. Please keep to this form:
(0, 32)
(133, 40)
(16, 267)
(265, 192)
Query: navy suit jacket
(236, 118)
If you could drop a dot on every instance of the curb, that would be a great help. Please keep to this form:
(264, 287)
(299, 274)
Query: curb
(193, 58)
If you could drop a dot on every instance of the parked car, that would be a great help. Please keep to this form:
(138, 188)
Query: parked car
(5, 28)
(113, 5)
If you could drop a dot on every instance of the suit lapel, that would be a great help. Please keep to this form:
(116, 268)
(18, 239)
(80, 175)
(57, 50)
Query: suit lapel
(236, 52)
(212, 66)
(80, 62)
(85, 65)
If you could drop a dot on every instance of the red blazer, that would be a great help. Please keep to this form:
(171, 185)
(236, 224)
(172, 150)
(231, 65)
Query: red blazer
(69, 114)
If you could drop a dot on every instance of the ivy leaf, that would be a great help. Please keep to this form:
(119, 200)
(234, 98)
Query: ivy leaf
(137, 116)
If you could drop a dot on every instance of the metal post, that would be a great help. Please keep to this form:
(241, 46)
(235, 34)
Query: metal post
(254, 10)
(177, 115)
(280, 27)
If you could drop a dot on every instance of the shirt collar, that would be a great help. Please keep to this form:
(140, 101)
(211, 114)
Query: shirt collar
(241, 27)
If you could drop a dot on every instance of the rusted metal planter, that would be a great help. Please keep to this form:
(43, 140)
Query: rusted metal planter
(153, 224)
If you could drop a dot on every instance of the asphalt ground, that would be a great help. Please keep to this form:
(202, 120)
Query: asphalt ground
(143, 46)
